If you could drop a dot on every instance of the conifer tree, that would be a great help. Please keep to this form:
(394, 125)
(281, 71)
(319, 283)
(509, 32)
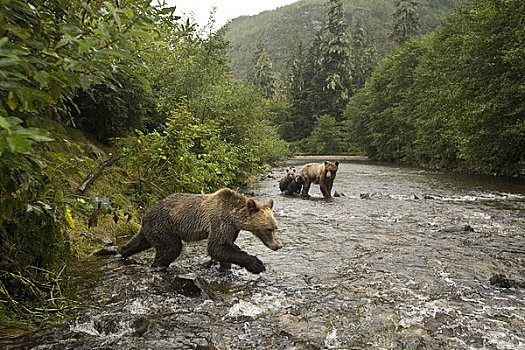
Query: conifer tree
(335, 62)
(364, 56)
(406, 22)
(263, 75)
(295, 125)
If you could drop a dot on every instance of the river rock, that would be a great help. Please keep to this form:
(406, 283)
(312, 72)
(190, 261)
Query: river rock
(457, 229)
(108, 250)
(501, 281)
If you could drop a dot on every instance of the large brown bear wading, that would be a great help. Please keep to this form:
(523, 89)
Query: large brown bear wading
(218, 217)
(322, 174)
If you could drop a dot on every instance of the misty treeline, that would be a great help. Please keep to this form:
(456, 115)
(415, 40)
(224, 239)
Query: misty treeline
(450, 99)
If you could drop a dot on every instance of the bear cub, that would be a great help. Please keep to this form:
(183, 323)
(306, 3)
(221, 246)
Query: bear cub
(218, 217)
(295, 186)
(287, 179)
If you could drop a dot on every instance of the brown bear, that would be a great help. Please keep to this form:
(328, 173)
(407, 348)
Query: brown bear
(218, 217)
(287, 179)
(294, 186)
(319, 173)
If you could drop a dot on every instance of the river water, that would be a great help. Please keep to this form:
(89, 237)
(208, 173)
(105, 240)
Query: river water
(403, 259)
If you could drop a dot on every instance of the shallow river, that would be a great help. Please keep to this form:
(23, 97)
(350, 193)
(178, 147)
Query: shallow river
(403, 259)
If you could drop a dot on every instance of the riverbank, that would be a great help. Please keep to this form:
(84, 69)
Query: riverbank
(330, 157)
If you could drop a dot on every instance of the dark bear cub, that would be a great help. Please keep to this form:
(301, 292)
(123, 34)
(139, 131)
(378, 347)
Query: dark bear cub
(295, 186)
(287, 179)
(218, 217)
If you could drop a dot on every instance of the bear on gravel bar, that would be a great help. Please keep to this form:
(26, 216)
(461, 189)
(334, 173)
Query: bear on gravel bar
(218, 217)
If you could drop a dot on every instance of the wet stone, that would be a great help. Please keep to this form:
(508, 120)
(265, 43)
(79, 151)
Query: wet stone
(140, 326)
(180, 285)
(457, 229)
(501, 281)
(111, 250)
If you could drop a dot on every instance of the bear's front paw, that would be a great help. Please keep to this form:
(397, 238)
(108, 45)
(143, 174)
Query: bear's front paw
(254, 265)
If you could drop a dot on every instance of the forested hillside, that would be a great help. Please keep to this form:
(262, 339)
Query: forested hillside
(281, 29)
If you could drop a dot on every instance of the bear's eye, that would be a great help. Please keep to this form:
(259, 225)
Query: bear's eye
(269, 230)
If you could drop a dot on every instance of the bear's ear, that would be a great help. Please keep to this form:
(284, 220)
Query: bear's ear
(325, 162)
(337, 163)
(252, 205)
(269, 203)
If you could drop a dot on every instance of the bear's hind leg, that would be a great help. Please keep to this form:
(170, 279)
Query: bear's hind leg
(306, 188)
(135, 245)
(166, 253)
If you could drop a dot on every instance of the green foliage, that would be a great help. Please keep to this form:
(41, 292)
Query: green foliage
(451, 99)
(321, 80)
(334, 62)
(32, 237)
(406, 23)
(185, 69)
(298, 123)
(327, 137)
(364, 56)
(262, 75)
(243, 117)
(187, 156)
(116, 108)
(48, 51)
(16, 140)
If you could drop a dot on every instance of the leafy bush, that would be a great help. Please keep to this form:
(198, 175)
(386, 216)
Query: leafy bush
(187, 156)
(116, 108)
(48, 51)
(327, 137)
(32, 237)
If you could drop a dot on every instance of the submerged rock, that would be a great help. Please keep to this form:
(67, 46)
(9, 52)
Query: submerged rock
(501, 281)
(168, 283)
(457, 229)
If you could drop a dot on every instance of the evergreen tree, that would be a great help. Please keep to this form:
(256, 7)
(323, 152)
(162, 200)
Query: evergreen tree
(406, 22)
(263, 75)
(335, 62)
(365, 56)
(292, 126)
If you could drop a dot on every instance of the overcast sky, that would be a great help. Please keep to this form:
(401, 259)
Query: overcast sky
(226, 9)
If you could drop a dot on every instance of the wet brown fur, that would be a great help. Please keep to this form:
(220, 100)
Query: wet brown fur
(218, 217)
(317, 173)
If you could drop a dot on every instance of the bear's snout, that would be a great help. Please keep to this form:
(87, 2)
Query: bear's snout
(274, 244)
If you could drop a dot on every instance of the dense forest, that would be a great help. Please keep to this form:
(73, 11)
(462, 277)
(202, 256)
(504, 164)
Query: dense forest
(108, 106)
(453, 99)
(447, 99)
